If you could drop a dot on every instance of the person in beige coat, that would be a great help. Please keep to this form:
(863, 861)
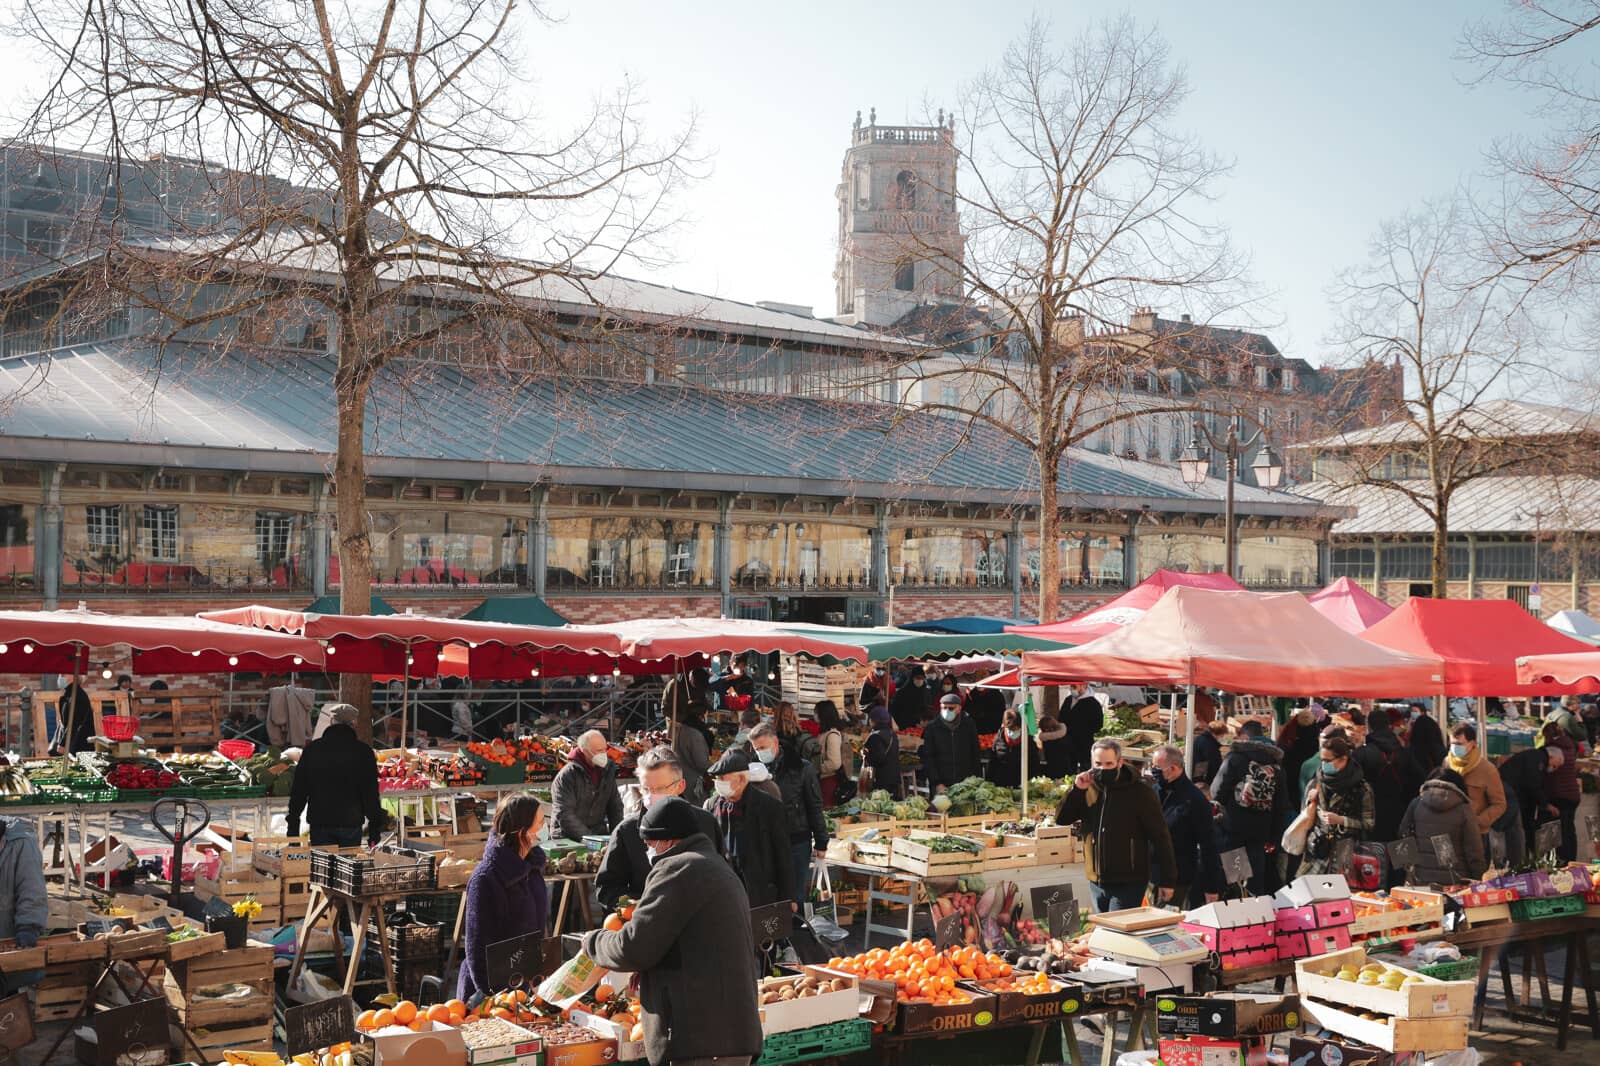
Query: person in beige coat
(1484, 787)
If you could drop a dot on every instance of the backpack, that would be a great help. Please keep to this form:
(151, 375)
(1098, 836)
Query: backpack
(1257, 790)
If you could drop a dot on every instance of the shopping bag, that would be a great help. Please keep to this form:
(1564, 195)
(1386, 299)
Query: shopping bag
(1294, 837)
(568, 984)
(820, 913)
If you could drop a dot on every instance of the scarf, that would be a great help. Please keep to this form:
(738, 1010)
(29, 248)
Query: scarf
(1465, 766)
(725, 811)
(581, 758)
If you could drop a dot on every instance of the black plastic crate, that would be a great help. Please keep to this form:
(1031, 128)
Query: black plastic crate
(410, 941)
(361, 875)
(440, 907)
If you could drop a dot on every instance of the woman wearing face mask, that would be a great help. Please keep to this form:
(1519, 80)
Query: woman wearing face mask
(1341, 802)
(1484, 788)
(833, 762)
(880, 759)
(1005, 757)
(506, 896)
(950, 751)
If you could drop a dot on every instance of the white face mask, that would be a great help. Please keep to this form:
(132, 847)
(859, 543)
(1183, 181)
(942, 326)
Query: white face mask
(599, 759)
(766, 755)
(651, 855)
(949, 714)
(723, 788)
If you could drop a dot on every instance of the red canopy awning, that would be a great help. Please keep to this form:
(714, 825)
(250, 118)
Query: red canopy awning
(1580, 669)
(496, 662)
(345, 629)
(1126, 608)
(191, 644)
(1349, 606)
(1479, 641)
(1265, 644)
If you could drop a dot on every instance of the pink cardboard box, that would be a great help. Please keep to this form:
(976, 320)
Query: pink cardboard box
(1303, 945)
(1238, 938)
(1240, 960)
(1297, 919)
(1334, 912)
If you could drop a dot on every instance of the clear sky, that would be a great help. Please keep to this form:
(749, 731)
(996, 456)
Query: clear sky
(1337, 115)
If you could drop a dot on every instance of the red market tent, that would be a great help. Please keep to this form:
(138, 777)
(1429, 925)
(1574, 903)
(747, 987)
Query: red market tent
(162, 644)
(1479, 641)
(1581, 669)
(1349, 606)
(1266, 644)
(1126, 608)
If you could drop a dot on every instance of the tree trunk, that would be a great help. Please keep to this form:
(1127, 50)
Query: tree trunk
(1049, 563)
(355, 545)
(1441, 553)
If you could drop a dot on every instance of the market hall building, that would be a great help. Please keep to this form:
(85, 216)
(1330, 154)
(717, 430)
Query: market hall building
(754, 463)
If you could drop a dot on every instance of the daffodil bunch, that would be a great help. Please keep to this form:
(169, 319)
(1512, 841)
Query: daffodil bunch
(246, 908)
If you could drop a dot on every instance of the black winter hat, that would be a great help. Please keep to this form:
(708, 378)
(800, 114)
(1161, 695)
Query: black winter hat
(733, 761)
(668, 819)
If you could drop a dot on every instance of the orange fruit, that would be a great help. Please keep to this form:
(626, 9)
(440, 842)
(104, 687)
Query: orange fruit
(627, 914)
(439, 1013)
(405, 1012)
(367, 1020)
(382, 1019)
(419, 1025)
(503, 1014)
(613, 922)
(603, 992)
(457, 1007)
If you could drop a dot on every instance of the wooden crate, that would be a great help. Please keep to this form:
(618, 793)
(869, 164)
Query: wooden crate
(20, 960)
(193, 1010)
(233, 1038)
(296, 894)
(206, 944)
(875, 853)
(1427, 998)
(72, 947)
(1425, 913)
(1398, 1034)
(282, 856)
(910, 854)
(61, 991)
(1014, 852)
(178, 719)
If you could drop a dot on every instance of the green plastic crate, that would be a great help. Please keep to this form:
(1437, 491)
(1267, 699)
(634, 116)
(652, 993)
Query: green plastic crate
(821, 1042)
(1524, 910)
(1464, 969)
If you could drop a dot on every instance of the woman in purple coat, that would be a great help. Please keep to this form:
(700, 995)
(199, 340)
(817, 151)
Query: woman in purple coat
(506, 896)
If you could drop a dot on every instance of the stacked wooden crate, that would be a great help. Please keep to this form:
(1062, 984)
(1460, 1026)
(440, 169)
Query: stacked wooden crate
(236, 1021)
(245, 884)
(72, 963)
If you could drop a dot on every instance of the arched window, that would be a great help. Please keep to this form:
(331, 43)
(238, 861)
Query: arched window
(905, 276)
(905, 191)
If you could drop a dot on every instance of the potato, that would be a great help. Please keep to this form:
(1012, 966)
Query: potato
(768, 998)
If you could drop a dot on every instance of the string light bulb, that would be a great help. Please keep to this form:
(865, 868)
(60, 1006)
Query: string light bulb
(534, 672)
(233, 660)
(594, 679)
(27, 649)
(298, 661)
(616, 671)
(105, 671)
(4, 648)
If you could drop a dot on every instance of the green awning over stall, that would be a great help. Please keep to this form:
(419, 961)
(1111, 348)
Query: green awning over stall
(521, 610)
(329, 604)
(888, 642)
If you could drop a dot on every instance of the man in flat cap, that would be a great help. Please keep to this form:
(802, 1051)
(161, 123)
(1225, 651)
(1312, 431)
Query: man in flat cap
(755, 832)
(336, 784)
(690, 943)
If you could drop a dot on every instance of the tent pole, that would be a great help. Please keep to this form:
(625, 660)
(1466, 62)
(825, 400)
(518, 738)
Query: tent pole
(1027, 740)
(80, 652)
(405, 695)
(1188, 734)
(1483, 720)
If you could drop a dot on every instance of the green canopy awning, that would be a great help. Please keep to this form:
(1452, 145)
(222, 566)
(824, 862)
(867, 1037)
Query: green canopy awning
(329, 604)
(888, 642)
(521, 610)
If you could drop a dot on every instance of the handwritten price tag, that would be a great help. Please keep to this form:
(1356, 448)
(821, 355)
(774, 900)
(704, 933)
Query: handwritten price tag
(319, 1025)
(1043, 897)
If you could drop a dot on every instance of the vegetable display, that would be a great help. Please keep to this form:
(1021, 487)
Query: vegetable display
(922, 974)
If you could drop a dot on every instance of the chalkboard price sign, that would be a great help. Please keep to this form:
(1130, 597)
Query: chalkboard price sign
(1064, 918)
(1043, 897)
(1445, 850)
(1402, 853)
(137, 1027)
(522, 961)
(317, 1025)
(16, 1023)
(1236, 866)
(771, 923)
(948, 933)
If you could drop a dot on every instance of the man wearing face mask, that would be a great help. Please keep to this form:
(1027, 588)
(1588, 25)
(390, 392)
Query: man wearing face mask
(801, 793)
(909, 707)
(755, 834)
(584, 800)
(1187, 811)
(950, 752)
(1484, 790)
(691, 945)
(1121, 824)
(624, 864)
(877, 688)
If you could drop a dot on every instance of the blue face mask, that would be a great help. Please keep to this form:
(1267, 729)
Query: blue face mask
(1458, 750)
(1328, 767)
(741, 736)
(949, 714)
(766, 755)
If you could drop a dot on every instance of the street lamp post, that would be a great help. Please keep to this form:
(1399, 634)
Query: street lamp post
(1195, 465)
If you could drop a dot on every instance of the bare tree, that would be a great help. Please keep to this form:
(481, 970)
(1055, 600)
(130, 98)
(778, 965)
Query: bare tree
(1462, 344)
(1081, 200)
(366, 164)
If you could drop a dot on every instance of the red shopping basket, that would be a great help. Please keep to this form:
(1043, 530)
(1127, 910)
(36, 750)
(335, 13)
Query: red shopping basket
(119, 727)
(236, 749)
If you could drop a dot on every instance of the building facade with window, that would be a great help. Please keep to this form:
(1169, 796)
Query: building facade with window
(721, 458)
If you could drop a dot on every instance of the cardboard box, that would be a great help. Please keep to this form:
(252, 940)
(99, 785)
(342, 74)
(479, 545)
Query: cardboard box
(627, 1050)
(527, 1044)
(1243, 960)
(1313, 942)
(1227, 1014)
(1314, 1051)
(1484, 894)
(812, 1011)
(1312, 888)
(438, 1046)
(1210, 1051)
(1065, 999)
(597, 1052)
(1321, 915)
(945, 1018)
(105, 857)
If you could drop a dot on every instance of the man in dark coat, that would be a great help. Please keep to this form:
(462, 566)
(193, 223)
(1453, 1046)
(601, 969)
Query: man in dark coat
(755, 834)
(909, 706)
(584, 800)
(691, 945)
(1524, 775)
(623, 865)
(1122, 824)
(1256, 800)
(1208, 752)
(1187, 810)
(950, 752)
(986, 707)
(801, 794)
(1083, 720)
(1391, 769)
(336, 785)
(1425, 739)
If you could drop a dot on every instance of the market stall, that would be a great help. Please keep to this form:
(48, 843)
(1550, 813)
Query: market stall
(1349, 606)
(1126, 608)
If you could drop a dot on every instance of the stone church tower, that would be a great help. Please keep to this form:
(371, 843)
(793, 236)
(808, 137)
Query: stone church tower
(898, 226)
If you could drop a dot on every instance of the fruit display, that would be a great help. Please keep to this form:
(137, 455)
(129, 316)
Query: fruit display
(141, 777)
(337, 1055)
(1376, 973)
(558, 1035)
(991, 917)
(784, 989)
(1036, 984)
(923, 975)
(206, 770)
(402, 773)
(451, 770)
(1057, 957)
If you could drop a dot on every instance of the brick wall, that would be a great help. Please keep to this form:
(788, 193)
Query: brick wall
(1555, 595)
(927, 608)
(592, 610)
